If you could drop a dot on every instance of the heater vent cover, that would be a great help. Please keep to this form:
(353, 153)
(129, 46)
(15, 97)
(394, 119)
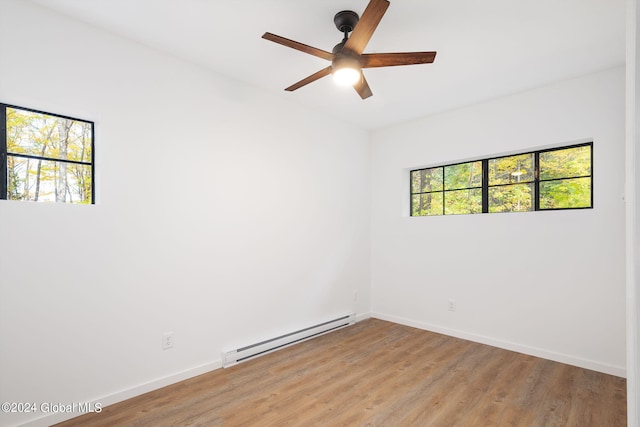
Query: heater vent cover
(251, 351)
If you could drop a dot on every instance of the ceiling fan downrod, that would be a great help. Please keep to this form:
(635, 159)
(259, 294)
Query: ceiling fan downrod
(345, 21)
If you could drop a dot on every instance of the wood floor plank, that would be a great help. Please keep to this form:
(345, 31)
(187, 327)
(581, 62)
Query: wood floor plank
(377, 373)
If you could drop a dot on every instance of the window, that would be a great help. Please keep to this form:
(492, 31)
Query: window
(511, 183)
(558, 178)
(565, 178)
(45, 157)
(448, 190)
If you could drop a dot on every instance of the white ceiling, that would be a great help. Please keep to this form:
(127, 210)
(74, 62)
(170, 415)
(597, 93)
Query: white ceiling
(486, 49)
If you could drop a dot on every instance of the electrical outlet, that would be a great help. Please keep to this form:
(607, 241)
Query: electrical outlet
(167, 340)
(452, 305)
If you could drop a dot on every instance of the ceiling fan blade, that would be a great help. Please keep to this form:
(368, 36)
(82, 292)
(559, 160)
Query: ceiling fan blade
(362, 87)
(366, 26)
(299, 46)
(312, 78)
(371, 60)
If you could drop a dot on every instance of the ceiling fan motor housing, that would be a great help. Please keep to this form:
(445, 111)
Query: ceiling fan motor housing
(345, 61)
(338, 48)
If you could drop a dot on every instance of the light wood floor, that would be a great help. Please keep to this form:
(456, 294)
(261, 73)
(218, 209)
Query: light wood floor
(377, 373)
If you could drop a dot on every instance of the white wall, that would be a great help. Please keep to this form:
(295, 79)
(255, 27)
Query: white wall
(544, 283)
(224, 215)
(227, 215)
(632, 200)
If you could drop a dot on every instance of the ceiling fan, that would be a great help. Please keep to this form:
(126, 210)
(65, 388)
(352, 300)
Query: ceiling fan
(347, 59)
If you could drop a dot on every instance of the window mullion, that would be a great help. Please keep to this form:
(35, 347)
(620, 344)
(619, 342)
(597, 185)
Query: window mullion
(536, 181)
(485, 186)
(444, 193)
(591, 170)
(3, 152)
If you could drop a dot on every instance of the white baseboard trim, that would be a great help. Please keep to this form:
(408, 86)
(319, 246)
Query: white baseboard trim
(362, 316)
(122, 395)
(619, 371)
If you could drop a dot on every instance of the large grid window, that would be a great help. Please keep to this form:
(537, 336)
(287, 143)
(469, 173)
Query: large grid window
(45, 157)
(558, 178)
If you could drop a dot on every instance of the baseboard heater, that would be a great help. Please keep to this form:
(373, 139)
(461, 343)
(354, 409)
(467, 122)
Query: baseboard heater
(242, 354)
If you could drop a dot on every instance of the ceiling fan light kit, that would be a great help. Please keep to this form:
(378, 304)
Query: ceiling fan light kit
(346, 70)
(347, 59)
(346, 76)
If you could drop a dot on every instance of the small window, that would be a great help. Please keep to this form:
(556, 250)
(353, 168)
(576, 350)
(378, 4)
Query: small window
(511, 183)
(565, 178)
(447, 190)
(45, 157)
(463, 188)
(559, 178)
(427, 191)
